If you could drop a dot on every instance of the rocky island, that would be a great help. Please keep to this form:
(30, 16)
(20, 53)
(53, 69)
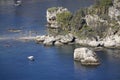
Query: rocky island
(96, 26)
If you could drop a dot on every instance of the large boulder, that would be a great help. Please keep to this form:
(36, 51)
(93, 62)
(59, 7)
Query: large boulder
(86, 56)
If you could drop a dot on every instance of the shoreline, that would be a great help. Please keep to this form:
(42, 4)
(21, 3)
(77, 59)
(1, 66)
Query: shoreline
(70, 39)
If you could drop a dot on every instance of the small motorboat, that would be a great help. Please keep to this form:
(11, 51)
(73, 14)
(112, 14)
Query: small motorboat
(17, 2)
(31, 58)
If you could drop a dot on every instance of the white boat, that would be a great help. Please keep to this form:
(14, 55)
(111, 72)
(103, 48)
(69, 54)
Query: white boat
(31, 58)
(18, 2)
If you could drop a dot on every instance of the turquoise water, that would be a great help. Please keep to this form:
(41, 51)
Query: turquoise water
(51, 63)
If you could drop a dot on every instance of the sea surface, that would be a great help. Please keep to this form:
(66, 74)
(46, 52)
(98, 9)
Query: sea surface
(51, 63)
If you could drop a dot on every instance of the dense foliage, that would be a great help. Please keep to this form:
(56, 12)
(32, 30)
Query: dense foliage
(77, 22)
(52, 9)
(64, 18)
(104, 3)
(102, 6)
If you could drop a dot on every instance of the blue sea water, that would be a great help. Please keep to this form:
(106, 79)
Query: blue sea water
(51, 63)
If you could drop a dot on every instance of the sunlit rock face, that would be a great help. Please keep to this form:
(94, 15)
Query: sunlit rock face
(114, 11)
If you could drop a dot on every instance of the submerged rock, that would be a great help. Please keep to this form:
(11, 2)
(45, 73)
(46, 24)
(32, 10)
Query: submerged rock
(86, 56)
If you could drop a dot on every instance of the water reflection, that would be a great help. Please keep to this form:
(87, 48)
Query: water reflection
(113, 53)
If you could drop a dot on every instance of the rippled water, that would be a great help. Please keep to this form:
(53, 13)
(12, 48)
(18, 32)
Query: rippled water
(51, 63)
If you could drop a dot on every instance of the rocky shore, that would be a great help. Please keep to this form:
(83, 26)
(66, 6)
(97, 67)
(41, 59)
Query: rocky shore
(109, 42)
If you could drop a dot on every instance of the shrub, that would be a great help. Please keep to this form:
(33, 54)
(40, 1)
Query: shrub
(52, 9)
(103, 3)
(63, 19)
(105, 17)
(77, 21)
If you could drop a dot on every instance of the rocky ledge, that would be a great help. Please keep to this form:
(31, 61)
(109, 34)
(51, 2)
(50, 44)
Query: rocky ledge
(55, 40)
(109, 42)
(86, 56)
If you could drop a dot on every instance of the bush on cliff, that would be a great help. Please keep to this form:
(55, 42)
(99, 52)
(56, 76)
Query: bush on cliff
(101, 6)
(63, 19)
(52, 9)
(103, 3)
(77, 20)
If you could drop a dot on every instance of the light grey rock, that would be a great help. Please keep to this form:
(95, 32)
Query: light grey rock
(40, 38)
(92, 20)
(58, 43)
(86, 56)
(49, 40)
(67, 39)
(116, 3)
(112, 41)
(114, 12)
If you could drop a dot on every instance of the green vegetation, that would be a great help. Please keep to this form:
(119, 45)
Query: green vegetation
(103, 3)
(77, 19)
(52, 9)
(63, 19)
(102, 6)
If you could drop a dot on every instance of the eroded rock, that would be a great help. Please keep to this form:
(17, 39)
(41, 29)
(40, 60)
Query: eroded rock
(86, 56)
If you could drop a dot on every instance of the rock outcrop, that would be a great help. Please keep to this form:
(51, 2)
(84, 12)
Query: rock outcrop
(109, 41)
(114, 11)
(67, 39)
(55, 40)
(112, 41)
(49, 40)
(51, 16)
(86, 56)
(92, 20)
